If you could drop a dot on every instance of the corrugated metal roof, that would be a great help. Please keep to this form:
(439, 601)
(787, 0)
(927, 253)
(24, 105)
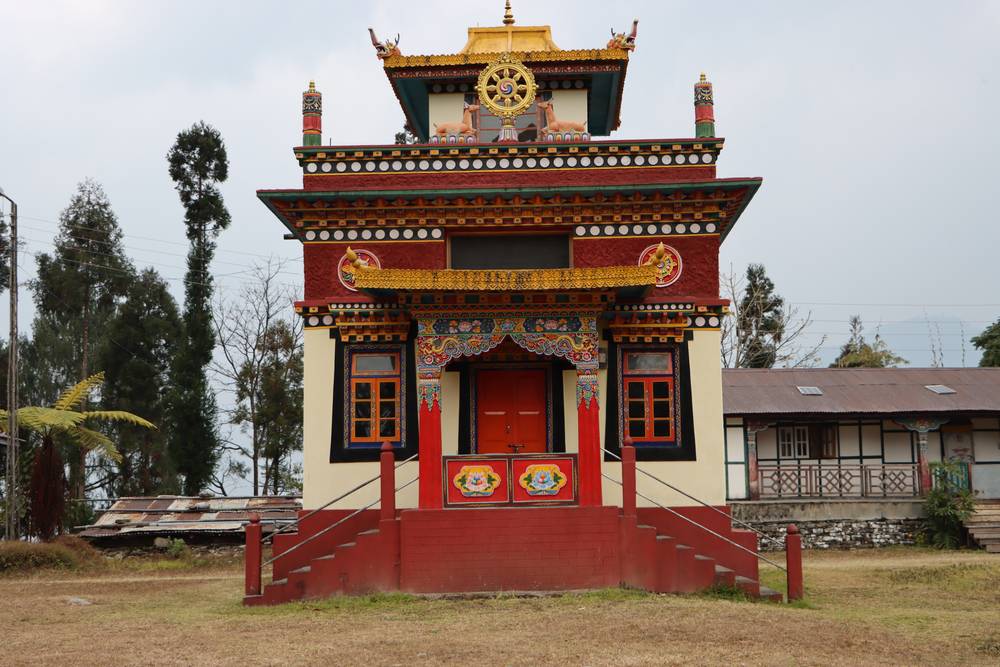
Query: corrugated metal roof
(897, 391)
(175, 514)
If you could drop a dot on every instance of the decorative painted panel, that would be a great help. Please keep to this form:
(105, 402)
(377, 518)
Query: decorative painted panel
(520, 480)
(479, 481)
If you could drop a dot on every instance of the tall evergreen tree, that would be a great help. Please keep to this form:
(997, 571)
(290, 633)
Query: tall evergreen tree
(76, 293)
(198, 163)
(760, 318)
(147, 335)
(761, 331)
(989, 343)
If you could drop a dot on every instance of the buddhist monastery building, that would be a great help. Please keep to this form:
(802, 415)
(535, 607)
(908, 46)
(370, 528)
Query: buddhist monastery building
(502, 311)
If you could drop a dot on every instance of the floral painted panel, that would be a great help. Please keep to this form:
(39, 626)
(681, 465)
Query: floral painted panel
(542, 480)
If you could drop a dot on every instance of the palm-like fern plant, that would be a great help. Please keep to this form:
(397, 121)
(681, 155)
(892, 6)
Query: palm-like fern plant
(47, 489)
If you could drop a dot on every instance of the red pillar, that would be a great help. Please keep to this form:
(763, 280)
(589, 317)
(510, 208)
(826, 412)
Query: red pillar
(388, 480)
(628, 477)
(793, 561)
(253, 555)
(430, 445)
(926, 484)
(588, 418)
(753, 476)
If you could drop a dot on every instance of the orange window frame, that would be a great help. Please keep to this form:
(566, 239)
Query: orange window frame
(647, 378)
(376, 379)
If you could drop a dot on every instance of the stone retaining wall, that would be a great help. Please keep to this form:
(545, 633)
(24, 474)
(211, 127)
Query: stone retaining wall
(868, 534)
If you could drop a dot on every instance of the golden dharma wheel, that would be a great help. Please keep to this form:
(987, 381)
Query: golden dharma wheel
(506, 87)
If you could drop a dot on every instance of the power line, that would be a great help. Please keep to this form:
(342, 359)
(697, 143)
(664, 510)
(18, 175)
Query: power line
(104, 333)
(145, 238)
(900, 305)
(158, 252)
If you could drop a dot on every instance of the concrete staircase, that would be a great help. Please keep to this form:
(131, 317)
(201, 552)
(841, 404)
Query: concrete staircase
(984, 525)
(523, 549)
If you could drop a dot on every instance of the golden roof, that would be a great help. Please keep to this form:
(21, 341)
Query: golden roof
(509, 38)
(506, 280)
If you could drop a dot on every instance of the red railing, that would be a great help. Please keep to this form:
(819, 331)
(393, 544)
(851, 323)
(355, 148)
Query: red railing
(793, 541)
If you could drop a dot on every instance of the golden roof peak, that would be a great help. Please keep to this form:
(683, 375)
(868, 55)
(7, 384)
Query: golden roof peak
(508, 16)
(703, 77)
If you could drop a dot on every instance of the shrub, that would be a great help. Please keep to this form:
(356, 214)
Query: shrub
(947, 507)
(177, 549)
(19, 556)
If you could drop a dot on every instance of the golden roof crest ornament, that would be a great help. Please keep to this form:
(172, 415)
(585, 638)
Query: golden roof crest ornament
(508, 16)
(507, 88)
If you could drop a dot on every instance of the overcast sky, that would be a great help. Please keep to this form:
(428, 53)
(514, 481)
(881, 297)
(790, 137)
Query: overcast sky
(873, 125)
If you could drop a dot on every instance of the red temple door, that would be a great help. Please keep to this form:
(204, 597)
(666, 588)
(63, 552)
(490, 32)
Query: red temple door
(510, 410)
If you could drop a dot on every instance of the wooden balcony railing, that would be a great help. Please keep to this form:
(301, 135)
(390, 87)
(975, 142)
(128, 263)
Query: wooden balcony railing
(791, 479)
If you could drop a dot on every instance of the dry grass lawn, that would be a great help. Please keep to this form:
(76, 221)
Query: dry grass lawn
(888, 607)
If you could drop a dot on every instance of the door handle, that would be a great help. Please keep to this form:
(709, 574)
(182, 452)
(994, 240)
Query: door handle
(508, 429)
(516, 448)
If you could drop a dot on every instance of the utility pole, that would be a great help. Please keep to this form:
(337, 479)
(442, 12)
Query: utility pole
(13, 478)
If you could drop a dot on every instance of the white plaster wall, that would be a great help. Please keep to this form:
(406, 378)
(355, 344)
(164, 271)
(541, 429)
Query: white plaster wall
(570, 105)
(986, 446)
(323, 481)
(445, 108)
(848, 436)
(737, 482)
(933, 446)
(734, 444)
(767, 443)
(449, 107)
(317, 411)
(705, 478)
(897, 447)
(871, 440)
(450, 396)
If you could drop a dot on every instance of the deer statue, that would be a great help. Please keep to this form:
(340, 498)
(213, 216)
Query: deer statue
(384, 49)
(559, 125)
(464, 128)
(621, 41)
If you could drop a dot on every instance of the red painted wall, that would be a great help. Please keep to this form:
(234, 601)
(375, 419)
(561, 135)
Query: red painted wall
(699, 260)
(322, 262)
(509, 549)
(561, 178)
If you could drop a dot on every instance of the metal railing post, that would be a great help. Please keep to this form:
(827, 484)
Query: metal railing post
(628, 477)
(253, 555)
(388, 477)
(793, 562)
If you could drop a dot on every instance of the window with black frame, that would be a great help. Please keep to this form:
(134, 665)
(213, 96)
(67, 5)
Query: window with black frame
(373, 403)
(648, 397)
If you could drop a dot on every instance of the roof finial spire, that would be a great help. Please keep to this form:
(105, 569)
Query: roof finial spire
(508, 16)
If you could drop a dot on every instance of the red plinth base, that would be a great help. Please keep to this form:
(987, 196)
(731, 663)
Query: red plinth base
(510, 549)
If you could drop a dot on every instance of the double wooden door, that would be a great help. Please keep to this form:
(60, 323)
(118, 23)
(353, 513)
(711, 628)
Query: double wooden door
(511, 411)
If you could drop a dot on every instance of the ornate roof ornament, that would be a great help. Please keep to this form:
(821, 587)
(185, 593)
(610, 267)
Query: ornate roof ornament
(507, 88)
(508, 16)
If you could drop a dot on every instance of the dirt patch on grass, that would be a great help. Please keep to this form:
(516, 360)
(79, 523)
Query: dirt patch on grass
(863, 608)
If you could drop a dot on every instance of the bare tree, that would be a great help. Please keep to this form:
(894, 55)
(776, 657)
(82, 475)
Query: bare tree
(761, 330)
(245, 327)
